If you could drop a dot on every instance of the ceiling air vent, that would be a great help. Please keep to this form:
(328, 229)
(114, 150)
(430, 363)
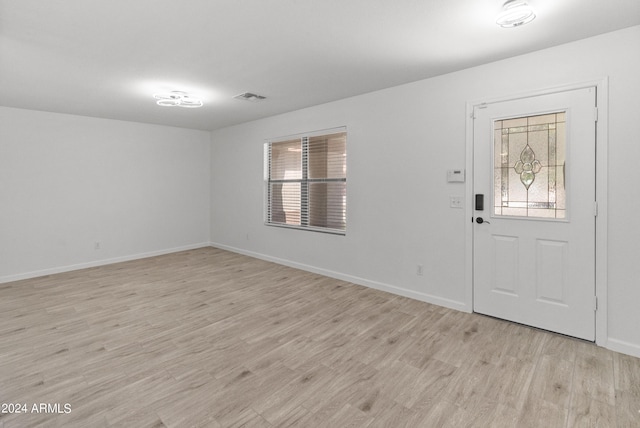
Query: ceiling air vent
(248, 96)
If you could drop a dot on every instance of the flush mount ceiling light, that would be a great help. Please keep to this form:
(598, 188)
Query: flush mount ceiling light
(515, 13)
(178, 99)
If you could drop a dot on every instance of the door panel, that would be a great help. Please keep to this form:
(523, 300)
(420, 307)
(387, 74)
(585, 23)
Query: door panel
(551, 271)
(534, 253)
(505, 264)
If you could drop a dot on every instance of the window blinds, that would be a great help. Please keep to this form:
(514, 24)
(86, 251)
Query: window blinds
(306, 180)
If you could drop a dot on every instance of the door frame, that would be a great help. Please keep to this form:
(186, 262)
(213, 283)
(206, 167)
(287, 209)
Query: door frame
(602, 174)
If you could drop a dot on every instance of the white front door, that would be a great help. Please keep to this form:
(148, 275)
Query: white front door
(534, 238)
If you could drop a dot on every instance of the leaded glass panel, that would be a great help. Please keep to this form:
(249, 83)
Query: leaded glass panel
(529, 166)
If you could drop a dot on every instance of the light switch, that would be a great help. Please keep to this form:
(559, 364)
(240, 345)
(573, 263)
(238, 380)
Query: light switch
(456, 202)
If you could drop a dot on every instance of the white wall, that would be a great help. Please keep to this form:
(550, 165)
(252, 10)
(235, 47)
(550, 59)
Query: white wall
(69, 181)
(401, 141)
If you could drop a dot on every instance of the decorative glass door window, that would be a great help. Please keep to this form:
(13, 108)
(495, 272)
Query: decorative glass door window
(529, 166)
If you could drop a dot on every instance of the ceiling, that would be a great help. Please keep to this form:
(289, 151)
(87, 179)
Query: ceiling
(106, 58)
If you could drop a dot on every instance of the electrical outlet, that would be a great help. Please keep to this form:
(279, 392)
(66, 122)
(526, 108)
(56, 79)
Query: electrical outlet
(96, 245)
(420, 270)
(456, 202)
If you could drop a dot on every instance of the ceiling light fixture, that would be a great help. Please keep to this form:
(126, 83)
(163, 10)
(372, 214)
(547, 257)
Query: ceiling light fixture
(178, 99)
(515, 13)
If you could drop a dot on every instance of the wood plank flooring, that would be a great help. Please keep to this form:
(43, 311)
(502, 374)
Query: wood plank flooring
(209, 338)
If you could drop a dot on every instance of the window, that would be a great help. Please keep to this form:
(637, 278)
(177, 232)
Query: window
(529, 164)
(306, 182)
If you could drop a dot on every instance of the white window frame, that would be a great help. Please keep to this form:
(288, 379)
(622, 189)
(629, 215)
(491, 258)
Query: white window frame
(305, 181)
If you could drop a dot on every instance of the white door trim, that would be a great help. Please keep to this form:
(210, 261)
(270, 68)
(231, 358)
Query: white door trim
(602, 98)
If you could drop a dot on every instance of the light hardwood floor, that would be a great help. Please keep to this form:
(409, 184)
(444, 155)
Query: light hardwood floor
(209, 338)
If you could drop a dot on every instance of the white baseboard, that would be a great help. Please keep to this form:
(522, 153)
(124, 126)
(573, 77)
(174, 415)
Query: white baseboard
(69, 268)
(623, 347)
(423, 297)
(612, 344)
